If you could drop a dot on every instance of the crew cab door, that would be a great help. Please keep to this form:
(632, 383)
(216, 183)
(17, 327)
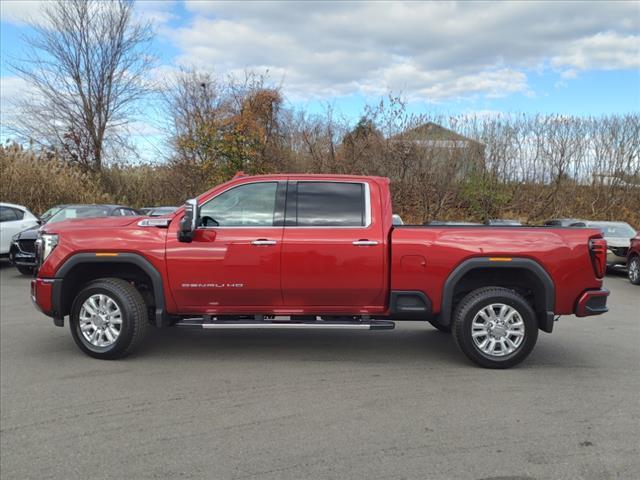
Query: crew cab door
(333, 252)
(233, 262)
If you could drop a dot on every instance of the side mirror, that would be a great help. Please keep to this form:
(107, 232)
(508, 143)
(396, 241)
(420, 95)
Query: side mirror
(189, 222)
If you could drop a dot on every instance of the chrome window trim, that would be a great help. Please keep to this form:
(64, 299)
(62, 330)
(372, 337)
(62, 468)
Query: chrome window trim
(367, 206)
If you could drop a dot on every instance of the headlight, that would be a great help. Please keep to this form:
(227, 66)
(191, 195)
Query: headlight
(45, 244)
(15, 238)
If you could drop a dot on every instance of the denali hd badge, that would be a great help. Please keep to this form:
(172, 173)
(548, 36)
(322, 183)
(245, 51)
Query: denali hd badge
(212, 285)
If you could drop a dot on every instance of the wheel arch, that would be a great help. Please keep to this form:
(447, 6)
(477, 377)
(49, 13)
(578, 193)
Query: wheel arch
(85, 267)
(518, 273)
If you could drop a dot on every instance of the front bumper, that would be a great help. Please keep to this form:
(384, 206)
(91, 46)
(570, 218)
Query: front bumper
(592, 302)
(20, 257)
(614, 259)
(45, 293)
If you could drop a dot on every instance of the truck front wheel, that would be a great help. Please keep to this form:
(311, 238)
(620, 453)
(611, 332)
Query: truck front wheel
(495, 327)
(108, 318)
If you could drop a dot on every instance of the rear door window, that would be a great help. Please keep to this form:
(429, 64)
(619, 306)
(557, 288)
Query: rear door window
(331, 204)
(8, 214)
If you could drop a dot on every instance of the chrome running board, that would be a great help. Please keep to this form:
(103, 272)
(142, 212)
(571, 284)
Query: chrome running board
(285, 325)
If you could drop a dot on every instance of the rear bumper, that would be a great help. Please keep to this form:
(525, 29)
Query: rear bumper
(592, 302)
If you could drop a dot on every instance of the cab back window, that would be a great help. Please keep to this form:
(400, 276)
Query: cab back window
(331, 204)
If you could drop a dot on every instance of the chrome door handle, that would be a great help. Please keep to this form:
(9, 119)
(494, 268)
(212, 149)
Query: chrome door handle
(365, 243)
(263, 242)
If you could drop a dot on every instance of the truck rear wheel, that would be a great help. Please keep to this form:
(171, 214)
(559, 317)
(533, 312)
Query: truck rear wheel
(495, 327)
(108, 318)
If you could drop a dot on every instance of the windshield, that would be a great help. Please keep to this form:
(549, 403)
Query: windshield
(80, 211)
(49, 213)
(621, 230)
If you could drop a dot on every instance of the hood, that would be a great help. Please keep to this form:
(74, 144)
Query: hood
(30, 233)
(89, 223)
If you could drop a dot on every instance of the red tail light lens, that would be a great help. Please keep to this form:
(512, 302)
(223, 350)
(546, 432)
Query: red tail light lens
(598, 250)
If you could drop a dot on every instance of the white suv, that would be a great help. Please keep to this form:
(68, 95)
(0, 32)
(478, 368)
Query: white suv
(13, 219)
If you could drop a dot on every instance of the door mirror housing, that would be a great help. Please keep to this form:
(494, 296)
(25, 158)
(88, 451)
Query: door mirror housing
(189, 222)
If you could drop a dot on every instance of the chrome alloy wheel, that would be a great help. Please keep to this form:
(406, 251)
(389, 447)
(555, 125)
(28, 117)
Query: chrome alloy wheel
(634, 270)
(100, 320)
(497, 330)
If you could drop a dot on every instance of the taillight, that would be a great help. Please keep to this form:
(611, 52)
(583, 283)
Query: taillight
(598, 250)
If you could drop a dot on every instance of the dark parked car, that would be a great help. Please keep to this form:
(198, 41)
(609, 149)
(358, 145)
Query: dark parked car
(159, 211)
(503, 222)
(565, 222)
(22, 251)
(437, 223)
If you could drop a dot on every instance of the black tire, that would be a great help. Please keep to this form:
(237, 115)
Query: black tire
(442, 328)
(472, 304)
(25, 270)
(135, 319)
(633, 270)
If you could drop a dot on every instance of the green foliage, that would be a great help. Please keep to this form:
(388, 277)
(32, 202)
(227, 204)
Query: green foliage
(483, 196)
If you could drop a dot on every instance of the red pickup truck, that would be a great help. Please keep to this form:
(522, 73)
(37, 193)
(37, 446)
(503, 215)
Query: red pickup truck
(313, 251)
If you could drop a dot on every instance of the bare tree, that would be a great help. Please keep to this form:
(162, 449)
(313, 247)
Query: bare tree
(86, 66)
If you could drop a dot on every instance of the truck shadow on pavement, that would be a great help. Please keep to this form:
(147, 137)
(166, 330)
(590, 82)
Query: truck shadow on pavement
(415, 344)
(409, 345)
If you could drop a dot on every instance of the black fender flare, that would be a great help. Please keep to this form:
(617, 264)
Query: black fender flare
(138, 260)
(545, 321)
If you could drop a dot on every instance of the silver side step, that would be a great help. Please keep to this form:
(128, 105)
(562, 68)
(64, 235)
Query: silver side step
(274, 325)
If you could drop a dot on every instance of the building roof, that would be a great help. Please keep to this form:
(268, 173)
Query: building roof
(434, 135)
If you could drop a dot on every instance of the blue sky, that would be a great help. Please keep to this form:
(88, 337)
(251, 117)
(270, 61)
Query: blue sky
(570, 58)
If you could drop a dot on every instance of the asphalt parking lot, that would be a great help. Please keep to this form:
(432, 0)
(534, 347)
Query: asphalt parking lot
(295, 405)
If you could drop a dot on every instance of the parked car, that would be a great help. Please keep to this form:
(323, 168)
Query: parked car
(633, 260)
(502, 222)
(22, 252)
(565, 222)
(313, 251)
(618, 236)
(160, 211)
(13, 219)
(449, 222)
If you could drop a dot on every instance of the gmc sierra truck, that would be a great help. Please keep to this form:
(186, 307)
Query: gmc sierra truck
(317, 252)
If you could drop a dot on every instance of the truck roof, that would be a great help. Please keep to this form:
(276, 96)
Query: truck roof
(328, 176)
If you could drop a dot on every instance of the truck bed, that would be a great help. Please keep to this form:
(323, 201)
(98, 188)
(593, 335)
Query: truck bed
(426, 255)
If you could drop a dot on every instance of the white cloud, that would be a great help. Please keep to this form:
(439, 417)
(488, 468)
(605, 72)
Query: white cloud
(433, 50)
(12, 90)
(157, 11)
(605, 51)
(20, 11)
